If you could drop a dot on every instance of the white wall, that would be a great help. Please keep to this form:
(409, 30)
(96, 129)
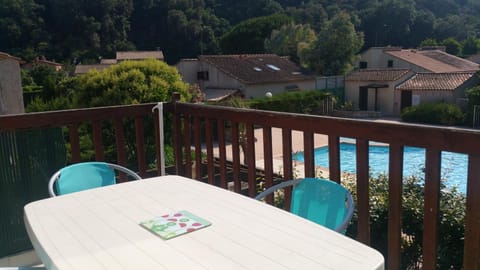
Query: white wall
(188, 69)
(388, 100)
(385, 96)
(376, 58)
(11, 94)
(218, 79)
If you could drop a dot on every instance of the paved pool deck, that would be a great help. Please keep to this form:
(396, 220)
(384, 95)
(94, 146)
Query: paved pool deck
(277, 150)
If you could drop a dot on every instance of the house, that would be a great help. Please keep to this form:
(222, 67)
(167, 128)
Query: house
(252, 75)
(374, 89)
(389, 79)
(11, 97)
(120, 56)
(474, 58)
(435, 87)
(82, 69)
(139, 55)
(42, 61)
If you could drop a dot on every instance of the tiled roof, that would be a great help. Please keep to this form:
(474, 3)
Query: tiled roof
(219, 94)
(474, 58)
(49, 63)
(376, 75)
(434, 60)
(108, 61)
(257, 68)
(82, 69)
(8, 56)
(139, 55)
(436, 81)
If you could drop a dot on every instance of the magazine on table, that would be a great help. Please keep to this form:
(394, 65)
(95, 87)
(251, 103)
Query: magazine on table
(172, 225)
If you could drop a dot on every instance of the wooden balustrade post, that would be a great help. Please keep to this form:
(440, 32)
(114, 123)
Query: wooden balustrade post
(363, 197)
(431, 208)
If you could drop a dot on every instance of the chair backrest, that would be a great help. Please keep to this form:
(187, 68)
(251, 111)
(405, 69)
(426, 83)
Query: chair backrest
(324, 202)
(86, 175)
(319, 200)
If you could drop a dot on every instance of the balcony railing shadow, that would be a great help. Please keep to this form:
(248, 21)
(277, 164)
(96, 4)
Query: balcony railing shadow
(196, 129)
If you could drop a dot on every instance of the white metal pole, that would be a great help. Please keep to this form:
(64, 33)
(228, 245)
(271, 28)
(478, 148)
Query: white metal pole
(159, 107)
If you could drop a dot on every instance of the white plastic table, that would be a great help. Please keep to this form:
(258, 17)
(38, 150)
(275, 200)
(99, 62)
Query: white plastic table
(99, 229)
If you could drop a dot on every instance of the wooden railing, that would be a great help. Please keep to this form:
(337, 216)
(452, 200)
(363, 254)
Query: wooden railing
(94, 118)
(120, 134)
(199, 127)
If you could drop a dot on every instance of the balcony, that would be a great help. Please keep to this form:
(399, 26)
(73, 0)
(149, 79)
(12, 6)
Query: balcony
(129, 136)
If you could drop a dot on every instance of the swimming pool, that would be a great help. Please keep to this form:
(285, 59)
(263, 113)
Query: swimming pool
(454, 165)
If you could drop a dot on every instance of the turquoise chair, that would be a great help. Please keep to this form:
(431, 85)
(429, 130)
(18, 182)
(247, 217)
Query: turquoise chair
(86, 175)
(319, 200)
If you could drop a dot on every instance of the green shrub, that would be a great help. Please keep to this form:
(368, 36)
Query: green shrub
(305, 102)
(473, 96)
(433, 113)
(451, 222)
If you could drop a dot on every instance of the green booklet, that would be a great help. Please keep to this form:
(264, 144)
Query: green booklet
(175, 224)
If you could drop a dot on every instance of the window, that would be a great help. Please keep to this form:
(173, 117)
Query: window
(390, 63)
(273, 67)
(363, 64)
(202, 76)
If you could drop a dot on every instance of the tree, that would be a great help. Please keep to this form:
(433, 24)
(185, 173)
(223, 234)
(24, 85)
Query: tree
(130, 82)
(456, 26)
(452, 46)
(473, 96)
(428, 42)
(471, 45)
(337, 45)
(181, 28)
(311, 13)
(86, 30)
(21, 27)
(238, 11)
(45, 89)
(389, 23)
(292, 40)
(423, 26)
(249, 36)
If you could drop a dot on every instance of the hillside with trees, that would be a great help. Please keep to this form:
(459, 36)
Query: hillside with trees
(71, 31)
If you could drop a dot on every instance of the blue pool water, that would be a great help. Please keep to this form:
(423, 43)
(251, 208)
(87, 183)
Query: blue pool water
(454, 165)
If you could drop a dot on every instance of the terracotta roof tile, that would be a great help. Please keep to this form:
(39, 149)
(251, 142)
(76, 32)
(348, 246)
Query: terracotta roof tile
(257, 68)
(436, 81)
(376, 75)
(139, 55)
(434, 60)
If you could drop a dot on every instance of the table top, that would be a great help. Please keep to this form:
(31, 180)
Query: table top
(99, 229)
